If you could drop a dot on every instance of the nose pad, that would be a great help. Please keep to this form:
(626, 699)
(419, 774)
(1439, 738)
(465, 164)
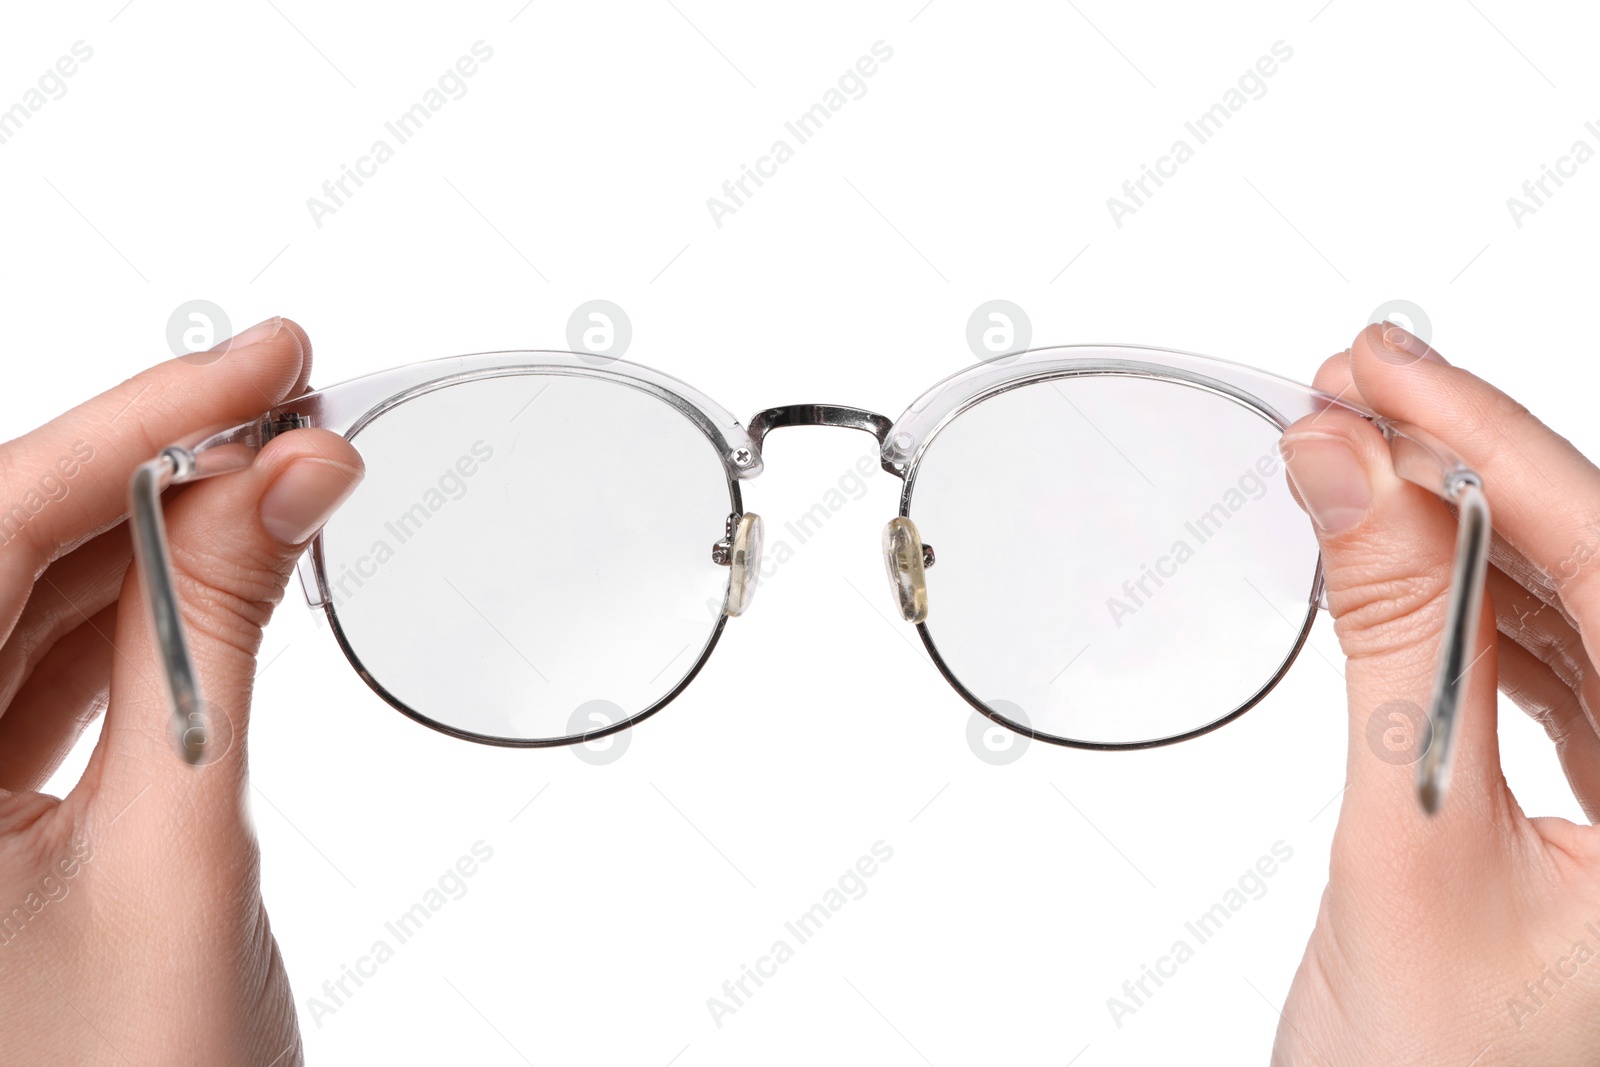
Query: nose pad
(906, 558)
(740, 551)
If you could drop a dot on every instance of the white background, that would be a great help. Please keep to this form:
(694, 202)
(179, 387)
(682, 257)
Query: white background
(978, 164)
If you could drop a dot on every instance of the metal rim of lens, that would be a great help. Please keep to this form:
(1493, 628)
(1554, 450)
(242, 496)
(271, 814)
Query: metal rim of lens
(736, 501)
(1246, 402)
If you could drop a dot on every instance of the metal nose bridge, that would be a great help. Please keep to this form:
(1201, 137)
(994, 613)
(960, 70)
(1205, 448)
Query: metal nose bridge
(821, 415)
(904, 554)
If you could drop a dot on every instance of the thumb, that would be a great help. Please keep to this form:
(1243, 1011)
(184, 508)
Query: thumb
(1387, 551)
(234, 540)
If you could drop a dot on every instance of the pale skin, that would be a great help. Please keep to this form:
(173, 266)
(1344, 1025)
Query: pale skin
(143, 938)
(1433, 929)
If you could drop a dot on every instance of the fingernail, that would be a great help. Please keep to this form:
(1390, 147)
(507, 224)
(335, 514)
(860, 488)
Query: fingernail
(1329, 479)
(304, 496)
(261, 331)
(1406, 346)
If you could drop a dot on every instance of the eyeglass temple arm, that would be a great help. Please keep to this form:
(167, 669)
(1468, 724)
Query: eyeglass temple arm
(1423, 460)
(220, 453)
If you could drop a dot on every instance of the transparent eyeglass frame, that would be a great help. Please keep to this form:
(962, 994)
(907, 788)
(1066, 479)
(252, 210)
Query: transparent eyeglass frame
(348, 407)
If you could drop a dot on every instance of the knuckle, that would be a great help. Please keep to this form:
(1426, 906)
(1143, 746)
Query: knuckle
(1571, 578)
(1563, 652)
(20, 503)
(1385, 614)
(21, 812)
(33, 836)
(1557, 720)
(228, 599)
(1534, 705)
(1508, 409)
(1492, 414)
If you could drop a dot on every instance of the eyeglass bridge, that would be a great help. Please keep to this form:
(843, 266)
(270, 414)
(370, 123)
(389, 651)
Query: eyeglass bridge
(835, 415)
(905, 556)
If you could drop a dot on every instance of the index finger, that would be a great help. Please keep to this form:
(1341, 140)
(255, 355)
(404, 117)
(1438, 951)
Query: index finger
(67, 481)
(1545, 493)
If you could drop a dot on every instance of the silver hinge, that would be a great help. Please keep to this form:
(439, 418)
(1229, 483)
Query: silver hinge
(271, 427)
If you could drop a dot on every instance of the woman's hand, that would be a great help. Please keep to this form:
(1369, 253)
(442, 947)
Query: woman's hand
(1473, 936)
(131, 923)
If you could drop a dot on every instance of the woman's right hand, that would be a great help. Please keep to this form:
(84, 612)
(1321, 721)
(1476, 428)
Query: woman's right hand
(1471, 936)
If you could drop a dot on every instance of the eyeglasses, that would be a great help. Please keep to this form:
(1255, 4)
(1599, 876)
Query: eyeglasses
(1097, 545)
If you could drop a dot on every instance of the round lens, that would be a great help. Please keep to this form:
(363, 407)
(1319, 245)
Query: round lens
(1118, 557)
(530, 556)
